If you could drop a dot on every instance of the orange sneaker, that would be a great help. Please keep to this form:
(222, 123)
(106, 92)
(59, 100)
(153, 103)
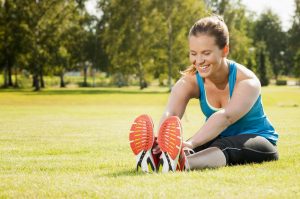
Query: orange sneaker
(170, 142)
(141, 138)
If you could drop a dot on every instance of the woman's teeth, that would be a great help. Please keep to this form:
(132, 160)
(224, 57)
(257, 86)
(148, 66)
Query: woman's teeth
(204, 66)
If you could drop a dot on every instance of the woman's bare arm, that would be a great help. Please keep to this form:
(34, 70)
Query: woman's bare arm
(184, 89)
(245, 95)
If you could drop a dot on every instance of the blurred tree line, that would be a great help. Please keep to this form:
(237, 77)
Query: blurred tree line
(141, 39)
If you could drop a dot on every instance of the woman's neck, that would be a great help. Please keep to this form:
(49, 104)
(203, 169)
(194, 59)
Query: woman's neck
(220, 77)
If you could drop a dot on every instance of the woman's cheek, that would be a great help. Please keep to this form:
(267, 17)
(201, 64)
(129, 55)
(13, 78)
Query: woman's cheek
(192, 59)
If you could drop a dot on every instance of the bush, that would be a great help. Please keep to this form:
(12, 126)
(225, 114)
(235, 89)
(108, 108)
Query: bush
(281, 82)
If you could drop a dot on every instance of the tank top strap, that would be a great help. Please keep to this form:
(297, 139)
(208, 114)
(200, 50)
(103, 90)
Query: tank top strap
(201, 86)
(232, 76)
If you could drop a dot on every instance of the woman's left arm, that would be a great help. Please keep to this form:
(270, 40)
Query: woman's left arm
(245, 94)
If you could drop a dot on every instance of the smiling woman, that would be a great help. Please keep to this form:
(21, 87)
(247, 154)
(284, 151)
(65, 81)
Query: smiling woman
(205, 52)
(236, 130)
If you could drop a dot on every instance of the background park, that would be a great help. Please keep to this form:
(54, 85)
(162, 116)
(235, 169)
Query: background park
(72, 83)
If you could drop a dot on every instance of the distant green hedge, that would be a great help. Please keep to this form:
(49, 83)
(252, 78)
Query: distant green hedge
(281, 82)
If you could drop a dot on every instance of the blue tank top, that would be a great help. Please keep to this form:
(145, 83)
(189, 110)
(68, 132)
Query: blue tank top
(254, 122)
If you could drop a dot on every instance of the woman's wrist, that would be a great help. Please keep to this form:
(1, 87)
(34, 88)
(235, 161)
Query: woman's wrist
(188, 144)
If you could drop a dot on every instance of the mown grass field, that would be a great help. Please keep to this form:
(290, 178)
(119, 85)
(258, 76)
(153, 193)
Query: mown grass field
(64, 143)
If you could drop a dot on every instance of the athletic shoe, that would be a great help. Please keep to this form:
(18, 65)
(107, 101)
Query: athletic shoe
(183, 164)
(170, 142)
(141, 140)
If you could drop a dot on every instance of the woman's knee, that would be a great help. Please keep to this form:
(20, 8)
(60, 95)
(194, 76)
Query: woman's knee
(260, 144)
(259, 149)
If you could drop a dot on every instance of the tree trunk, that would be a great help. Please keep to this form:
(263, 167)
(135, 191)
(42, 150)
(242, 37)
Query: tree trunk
(85, 76)
(6, 10)
(42, 82)
(5, 84)
(36, 83)
(9, 75)
(62, 81)
(16, 79)
(143, 83)
(33, 81)
(170, 53)
(275, 70)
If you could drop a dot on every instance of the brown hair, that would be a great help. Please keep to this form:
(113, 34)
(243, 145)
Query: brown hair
(213, 26)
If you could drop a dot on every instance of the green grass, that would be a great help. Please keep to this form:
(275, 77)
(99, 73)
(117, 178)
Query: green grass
(64, 143)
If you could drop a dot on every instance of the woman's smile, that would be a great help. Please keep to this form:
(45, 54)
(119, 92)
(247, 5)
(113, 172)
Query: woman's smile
(203, 68)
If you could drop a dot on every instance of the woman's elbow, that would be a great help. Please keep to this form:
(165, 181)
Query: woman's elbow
(227, 118)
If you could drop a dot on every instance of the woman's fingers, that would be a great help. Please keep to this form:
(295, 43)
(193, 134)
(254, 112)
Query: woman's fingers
(156, 150)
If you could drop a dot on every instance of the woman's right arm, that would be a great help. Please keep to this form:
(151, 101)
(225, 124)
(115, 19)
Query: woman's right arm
(184, 89)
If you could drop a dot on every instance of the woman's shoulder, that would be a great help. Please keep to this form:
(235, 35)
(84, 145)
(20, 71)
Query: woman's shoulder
(246, 82)
(188, 84)
(244, 73)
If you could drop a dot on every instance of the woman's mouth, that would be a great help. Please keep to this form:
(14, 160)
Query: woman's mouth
(204, 68)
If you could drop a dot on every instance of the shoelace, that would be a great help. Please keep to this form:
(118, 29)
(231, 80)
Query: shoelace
(188, 151)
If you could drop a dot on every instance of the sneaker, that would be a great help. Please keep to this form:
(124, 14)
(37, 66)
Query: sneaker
(141, 138)
(183, 164)
(170, 142)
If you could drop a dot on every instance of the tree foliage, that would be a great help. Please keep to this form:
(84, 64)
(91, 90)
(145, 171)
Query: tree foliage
(43, 37)
(147, 36)
(135, 39)
(268, 29)
(294, 41)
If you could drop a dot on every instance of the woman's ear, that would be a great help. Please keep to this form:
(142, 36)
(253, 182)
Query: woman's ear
(225, 51)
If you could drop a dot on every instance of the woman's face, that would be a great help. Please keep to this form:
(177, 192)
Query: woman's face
(205, 55)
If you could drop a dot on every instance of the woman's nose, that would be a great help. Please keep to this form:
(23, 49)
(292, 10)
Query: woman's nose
(199, 60)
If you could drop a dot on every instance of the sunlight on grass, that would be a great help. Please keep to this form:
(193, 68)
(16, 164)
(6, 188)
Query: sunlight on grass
(74, 144)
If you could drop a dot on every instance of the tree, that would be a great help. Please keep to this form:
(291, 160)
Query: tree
(73, 41)
(147, 35)
(268, 29)
(32, 35)
(263, 65)
(177, 17)
(294, 41)
(125, 36)
(11, 38)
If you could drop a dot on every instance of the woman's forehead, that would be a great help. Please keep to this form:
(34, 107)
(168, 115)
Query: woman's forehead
(202, 41)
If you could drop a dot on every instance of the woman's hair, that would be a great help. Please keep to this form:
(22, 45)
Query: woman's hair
(213, 26)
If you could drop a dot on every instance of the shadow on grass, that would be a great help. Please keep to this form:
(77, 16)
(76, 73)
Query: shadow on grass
(14, 90)
(133, 172)
(128, 172)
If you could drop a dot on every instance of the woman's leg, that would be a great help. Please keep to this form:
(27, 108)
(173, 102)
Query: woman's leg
(232, 150)
(258, 149)
(211, 157)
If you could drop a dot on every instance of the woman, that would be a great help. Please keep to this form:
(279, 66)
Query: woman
(236, 130)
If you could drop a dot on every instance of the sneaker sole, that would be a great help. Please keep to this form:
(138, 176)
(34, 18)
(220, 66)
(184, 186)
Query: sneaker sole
(170, 142)
(141, 138)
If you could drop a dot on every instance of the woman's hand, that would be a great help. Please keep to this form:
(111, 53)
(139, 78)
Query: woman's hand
(187, 144)
(156, 148)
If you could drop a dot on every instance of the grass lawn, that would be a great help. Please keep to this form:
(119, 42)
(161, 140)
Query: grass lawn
(63, 143)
